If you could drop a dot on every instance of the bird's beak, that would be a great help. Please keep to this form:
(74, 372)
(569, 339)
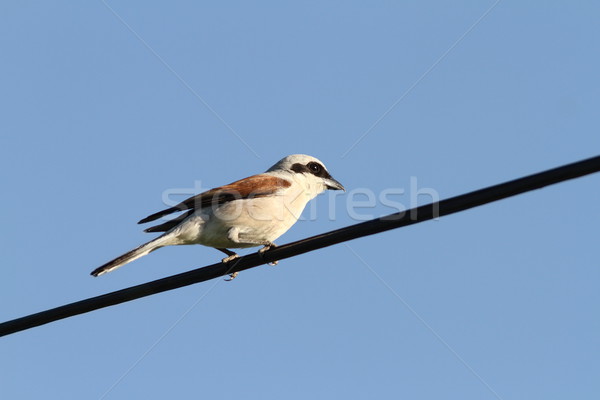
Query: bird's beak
(332, 184)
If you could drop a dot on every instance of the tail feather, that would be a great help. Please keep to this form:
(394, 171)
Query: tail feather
(130, 256)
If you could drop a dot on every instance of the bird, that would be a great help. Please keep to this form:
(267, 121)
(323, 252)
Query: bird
(250, 212)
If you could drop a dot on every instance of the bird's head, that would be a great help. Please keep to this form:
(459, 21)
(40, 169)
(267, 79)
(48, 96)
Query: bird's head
(307, 171)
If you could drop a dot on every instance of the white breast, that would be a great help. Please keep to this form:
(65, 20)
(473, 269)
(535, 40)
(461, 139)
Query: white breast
(257, 219)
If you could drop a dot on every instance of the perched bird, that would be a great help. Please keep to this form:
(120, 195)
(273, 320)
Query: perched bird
(251, 212)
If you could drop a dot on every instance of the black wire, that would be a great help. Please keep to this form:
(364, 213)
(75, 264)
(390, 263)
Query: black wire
(393, 221)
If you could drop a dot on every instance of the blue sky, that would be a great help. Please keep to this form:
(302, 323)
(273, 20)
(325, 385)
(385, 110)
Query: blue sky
(107, 106)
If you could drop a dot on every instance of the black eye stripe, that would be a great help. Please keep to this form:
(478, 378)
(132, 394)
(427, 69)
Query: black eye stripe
(299, 168)
(313, 168)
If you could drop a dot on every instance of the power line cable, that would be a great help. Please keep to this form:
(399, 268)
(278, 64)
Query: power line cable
(382, 224)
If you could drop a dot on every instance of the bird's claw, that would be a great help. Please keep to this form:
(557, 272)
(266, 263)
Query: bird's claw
(268, 247)
(232, 277)
(228, 259)
(260, 253)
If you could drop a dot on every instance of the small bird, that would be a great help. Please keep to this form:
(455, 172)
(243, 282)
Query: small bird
(251, 212)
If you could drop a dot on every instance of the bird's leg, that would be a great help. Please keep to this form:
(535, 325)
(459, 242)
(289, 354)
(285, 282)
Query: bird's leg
(267, 246)
(231, 256)
(234, 235)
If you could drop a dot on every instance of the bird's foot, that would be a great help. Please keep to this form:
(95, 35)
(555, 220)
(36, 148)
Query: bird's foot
(231, 256)
(232, 276)
(265, 248)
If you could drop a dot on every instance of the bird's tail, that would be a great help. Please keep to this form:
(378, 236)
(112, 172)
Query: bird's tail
(132, 255)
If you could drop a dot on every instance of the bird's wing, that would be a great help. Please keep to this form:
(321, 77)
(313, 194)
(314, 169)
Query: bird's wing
(254, 186)
(170, 224)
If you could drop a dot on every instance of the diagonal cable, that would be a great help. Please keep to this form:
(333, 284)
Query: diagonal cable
(161, 338)
(157, 342)
(393, 221)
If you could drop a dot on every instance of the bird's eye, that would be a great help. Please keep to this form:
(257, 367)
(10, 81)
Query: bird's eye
(314, 167)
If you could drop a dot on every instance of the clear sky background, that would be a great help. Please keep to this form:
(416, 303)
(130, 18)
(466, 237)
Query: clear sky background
(107, 106)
